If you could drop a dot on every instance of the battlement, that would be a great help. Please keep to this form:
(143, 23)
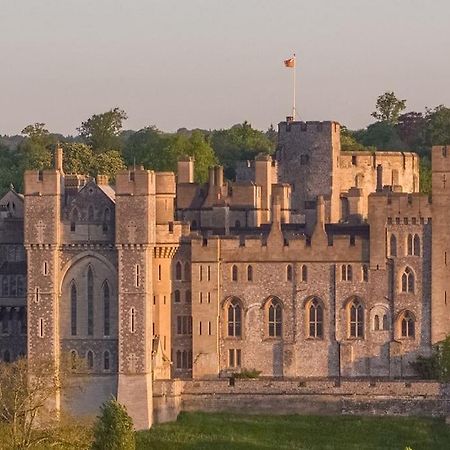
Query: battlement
(398, 206)
(136, 181)
(44, 182)
(165, 183)
(313, 127)
(440, 158)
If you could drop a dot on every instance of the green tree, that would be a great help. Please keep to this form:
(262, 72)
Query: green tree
(10, 172)
(78, 158)
(113, 429)
(381, 135)
(349, 142)
(107, 163)
(36, 149)
(437, 128)
(239, 143)
(411, 129)
(102, 131)
(388, 108)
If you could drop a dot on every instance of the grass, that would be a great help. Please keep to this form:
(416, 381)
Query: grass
(229, 431)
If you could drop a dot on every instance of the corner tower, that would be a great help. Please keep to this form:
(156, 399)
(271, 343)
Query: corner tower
(440, 247)
(135, 238)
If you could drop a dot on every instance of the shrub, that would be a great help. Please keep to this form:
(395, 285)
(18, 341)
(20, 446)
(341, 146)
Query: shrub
(114, 428)
(246, 373)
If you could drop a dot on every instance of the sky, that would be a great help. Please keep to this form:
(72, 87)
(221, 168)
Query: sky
(213, 63)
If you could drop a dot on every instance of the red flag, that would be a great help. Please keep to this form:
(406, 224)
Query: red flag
(289, 62)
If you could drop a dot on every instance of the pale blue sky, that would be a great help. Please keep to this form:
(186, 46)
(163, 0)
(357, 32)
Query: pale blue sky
(211, 63)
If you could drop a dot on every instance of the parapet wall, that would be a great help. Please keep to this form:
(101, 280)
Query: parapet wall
(327, 397)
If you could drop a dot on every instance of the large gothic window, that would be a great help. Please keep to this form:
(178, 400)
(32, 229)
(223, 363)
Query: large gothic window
(178, 271)
(73, 309)
(408, 281)
(315, 319)
(356, 319)
(275, 318)
(90, 302)
(407, 325)
(234, 318)
(106, 309)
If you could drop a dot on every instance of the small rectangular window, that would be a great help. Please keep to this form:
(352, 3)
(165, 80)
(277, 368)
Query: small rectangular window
(209, 328)
(200, 328)
(209, 273)
(41, 328)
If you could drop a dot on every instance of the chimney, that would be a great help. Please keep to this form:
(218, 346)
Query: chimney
(218, 176)
(185, 170)
(320, 220)
(102, 180)
(379, 178)
(211, 177)
(59, 158)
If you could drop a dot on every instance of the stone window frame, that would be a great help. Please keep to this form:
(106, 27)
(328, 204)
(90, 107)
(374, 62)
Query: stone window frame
(393, 245)
(407, 280)
(234, 273)
(406, 325)
(90, 360)
(106, 358)
(276, 322)
(355, 324)
(178, 271)
(250, 273)
(304, 273)
(106, 307)
(289, 272)
(380, 311)
(307, 314)
(235, 335)
(365, 273)
(346, 272)
(234, 358)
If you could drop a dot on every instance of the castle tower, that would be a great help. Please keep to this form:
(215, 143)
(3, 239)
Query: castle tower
(263, 178)
(43, 192)
(440, 246)
(135, 237)
(307, 158)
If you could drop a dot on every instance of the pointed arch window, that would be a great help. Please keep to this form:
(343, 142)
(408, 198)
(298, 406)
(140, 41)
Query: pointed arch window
(73, 309)
(416, 244)
(275, 315)
(106, 309)
(410, 245)
(315, 319)
(90, 302)
(289, 276)
(234, 273)
(234, 318)
(407, 325)
(408, 282)
(178, 270)
(304, 273)
(249, 273)
(356, 319)
(90, 359)
(393, 245)
(106, 360)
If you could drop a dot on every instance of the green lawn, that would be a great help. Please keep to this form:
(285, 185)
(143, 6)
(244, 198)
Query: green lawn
(230, 431)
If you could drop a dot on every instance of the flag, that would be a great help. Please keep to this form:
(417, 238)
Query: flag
(289, 62)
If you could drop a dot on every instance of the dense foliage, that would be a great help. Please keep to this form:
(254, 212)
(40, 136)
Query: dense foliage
(437, 365)
(103, 146)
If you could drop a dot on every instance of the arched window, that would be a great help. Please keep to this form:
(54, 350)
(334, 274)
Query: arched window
(407, 325)
(90, 302)
(234, 273)
(408, 280)
(178, 270)
(304, 273)
(365, 273)
(249, 273)
(73, 309)
(346, 272)
(416, 245)
(90, 359)
(393, 245)
(106, 360)
(74, 219)
(176, 296)
(410, 245)
(315, 319)
(187, 272)
(188, 296)
(275, 312)
(73, 359)
(376, 322)
(289, 273)
(106, 309)
(234, 318)
(356, 319)
(90, 213)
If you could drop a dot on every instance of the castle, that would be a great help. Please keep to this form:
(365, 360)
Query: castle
(317, 263)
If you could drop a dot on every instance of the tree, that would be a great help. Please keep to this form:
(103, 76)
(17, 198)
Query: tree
(78, 158)
(36, 149)
(437, 128)
(113, 429)
(26, 394)
(411, 128)
(102, 131)
(381, 135)
(349, 142)
(107, 163)
(388, 108)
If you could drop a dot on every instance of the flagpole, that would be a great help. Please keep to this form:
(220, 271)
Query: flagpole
(293, 103)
